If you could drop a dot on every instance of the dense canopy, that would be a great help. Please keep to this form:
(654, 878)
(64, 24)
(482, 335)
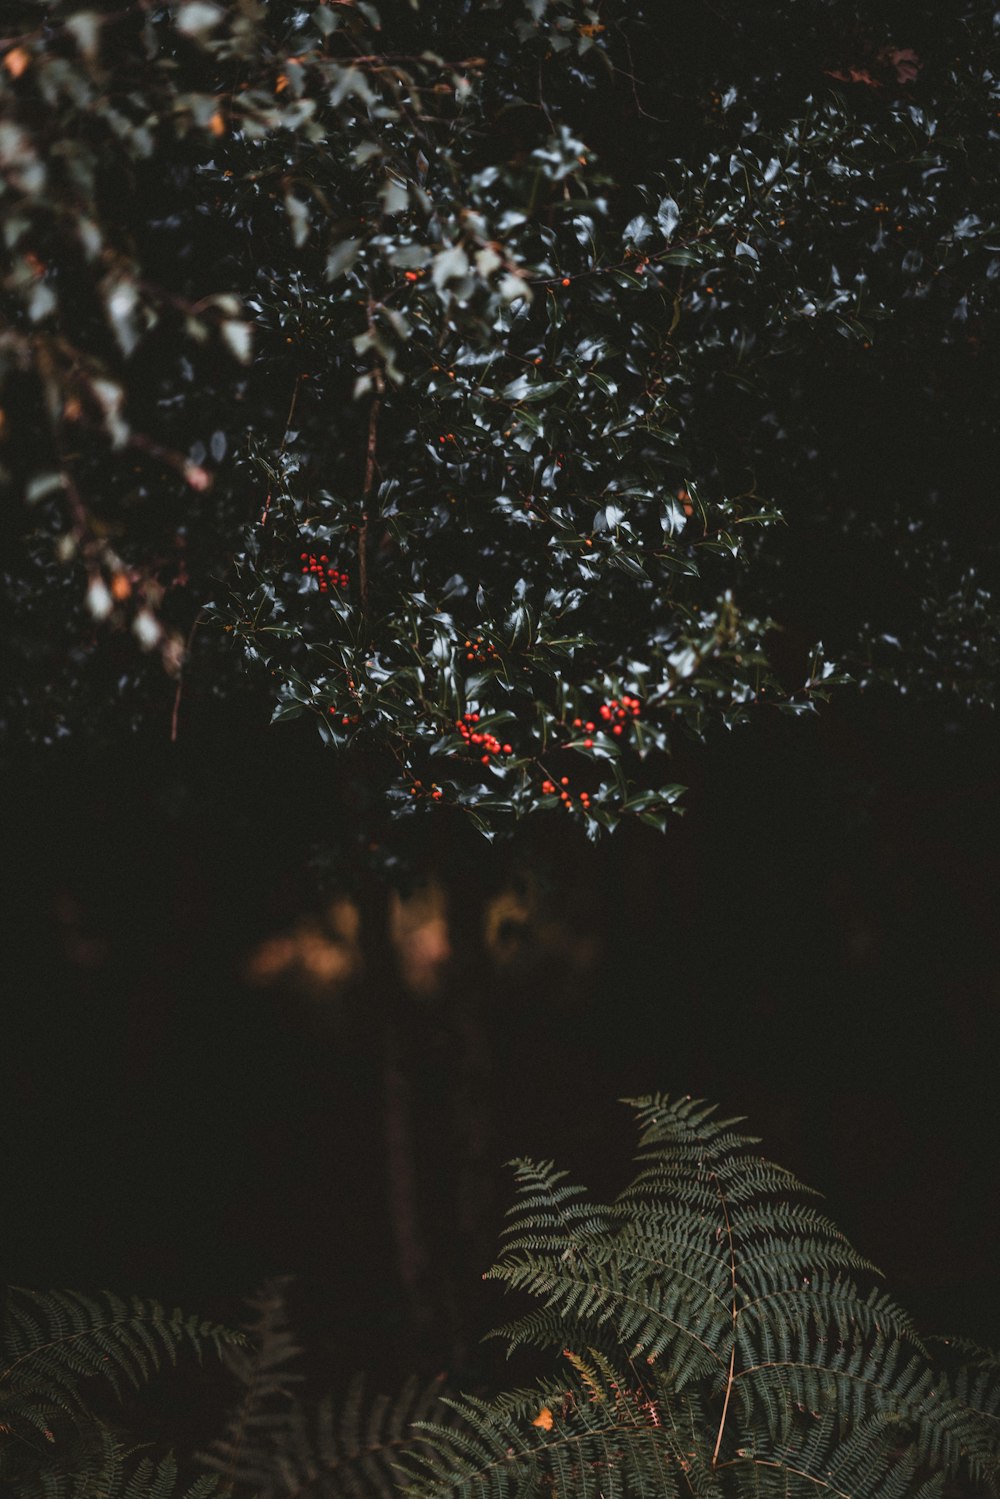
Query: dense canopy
(508, 385)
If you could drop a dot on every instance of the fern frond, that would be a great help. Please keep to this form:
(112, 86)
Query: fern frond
(644, 1311)
(50, 1342)
(159, 1481)
(52, 1347)
(549, 1215)
(822, 1463)
(973, 1377)
(260, 1370)
(276, 1444)
(878, 1379)
(598, 1442)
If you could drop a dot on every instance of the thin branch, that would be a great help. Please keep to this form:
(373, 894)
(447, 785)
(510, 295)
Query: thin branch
(284, 440)
(175, 715)
(110, 19)
(371, 463)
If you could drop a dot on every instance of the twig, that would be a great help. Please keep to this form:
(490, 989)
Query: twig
(111, 19)
(371, 463)
(180, 679)
(284, 440)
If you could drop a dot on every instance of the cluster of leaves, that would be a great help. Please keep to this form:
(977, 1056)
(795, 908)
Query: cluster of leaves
(525, 323)
(719, 1337)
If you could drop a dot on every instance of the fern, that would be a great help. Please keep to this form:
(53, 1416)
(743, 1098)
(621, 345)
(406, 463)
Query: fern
(276, 1444)
(720, 1338)
(259, 1367)
(52, 1348)
(715, 1275)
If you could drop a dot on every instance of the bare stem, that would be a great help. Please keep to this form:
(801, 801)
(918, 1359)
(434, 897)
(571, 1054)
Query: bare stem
(175, 715)
(371, 463)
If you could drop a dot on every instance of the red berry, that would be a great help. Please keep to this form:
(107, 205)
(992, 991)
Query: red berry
(507, 749)
(485, 759)
(590, 728)
(565, 281)
(617, 729)
(588, 744)
(564, 780)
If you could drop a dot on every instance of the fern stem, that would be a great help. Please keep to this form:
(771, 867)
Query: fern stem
(725, 1404)
(735, 1314)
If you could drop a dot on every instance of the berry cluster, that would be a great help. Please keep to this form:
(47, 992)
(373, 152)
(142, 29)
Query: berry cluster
(345, 718)
(319, 568)
(618, 714)
(489, 745)
(434, 792)
(615, 715)
(476, 651)
(550, 789)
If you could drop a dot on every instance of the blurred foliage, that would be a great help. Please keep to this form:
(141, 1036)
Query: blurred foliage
(507, 386)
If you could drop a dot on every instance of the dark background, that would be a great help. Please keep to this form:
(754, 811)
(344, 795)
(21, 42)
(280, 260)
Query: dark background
(814, 945)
